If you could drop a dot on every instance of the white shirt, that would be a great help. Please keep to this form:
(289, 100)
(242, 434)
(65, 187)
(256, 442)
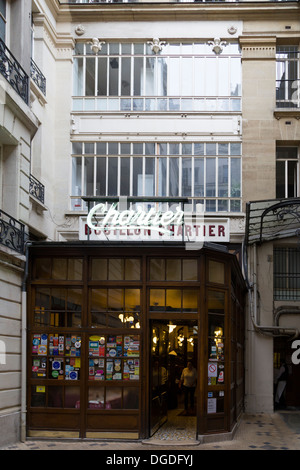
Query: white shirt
(189, 377)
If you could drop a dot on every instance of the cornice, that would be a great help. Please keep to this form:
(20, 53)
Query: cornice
(250, 10)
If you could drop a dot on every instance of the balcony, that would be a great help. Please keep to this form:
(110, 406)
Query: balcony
(38, 77)
(13, 72)
(12, 233)
(36, 189)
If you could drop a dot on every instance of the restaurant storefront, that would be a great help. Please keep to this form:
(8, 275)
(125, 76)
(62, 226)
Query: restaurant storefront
(112, 325)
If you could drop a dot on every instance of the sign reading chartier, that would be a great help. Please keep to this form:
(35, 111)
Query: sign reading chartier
(153, 225)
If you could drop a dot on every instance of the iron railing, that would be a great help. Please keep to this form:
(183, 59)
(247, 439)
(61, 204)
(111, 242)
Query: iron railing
(38, 77)
(36, 189)
(13, 72)
(12, 232)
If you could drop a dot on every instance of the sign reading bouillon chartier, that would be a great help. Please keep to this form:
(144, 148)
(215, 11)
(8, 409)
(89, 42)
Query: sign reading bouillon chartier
(114, 224)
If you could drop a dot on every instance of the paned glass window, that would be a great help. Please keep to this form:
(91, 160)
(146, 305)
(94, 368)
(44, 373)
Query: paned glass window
(130, 77)
(286, 273)
(287, 172)
(287, 77)
(208, 173)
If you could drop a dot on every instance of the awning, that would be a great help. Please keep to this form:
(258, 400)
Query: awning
(272, 219)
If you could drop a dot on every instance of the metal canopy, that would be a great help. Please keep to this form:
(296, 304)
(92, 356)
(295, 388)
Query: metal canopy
(272, 219)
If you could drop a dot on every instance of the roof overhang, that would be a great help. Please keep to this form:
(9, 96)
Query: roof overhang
(271, 220)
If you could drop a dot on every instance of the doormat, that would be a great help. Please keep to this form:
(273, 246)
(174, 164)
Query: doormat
(187, 413)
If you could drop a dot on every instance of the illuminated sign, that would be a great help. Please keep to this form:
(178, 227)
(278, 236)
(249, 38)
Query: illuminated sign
(153, 225)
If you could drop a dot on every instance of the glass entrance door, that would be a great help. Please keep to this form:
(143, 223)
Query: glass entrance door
(173, 344)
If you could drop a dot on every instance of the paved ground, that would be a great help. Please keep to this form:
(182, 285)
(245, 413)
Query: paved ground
(276, 431)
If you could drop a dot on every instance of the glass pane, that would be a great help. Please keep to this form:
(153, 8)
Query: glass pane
(75, 269)
(186, 177)
(125, 76)
(115, 299)
(101, 176)
(162, 176)
(78, 77)
(58, 299)
(132, 300)
(59, 268)
(131, 398)
(216, 272)
(98, 319)
(149, 176)
(157, 269)
(189, 270)
(173, 272)
(132, 269)
(173, 177)
(96, 397)
(210, 177)
(150, 77)
(189, 300)
(215, 325)
(125, 177)
(137, 176)
(102, 76)
(90, 77)
(216, 302)
(112, 176)
(76, 176)
(72, 397)
(235, 177)
(113, 76)
(187, 76)
(99, 300)
(222, 177)
(55, 397)
(115, 269)
(162, 72)
(43, 268)
(173, 300)
(138, 75)
(113, 398)
(199, 177)
(74, 299)
(157, 299)
(89, 176)
(99, 269)
(292, 179)
(38, 396)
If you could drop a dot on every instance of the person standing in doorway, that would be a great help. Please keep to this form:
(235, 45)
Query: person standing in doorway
(283, 375)
(188, 381)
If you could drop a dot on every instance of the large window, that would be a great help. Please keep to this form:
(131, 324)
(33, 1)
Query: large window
(209, 173)
(182, 77)
(287, 172)
(286, 273)
(2, 19)
(287, 77)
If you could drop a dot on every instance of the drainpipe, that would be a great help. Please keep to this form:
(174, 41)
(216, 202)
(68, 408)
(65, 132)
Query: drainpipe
(24, 349)
(271, 331)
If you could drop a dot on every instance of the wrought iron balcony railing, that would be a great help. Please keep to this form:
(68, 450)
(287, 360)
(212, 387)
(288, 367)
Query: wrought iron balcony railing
(13, 72)
(36, 189)
(12, 233)
(38, 77)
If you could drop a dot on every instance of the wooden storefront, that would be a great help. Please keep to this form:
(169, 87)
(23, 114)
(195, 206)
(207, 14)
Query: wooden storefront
(104, 319)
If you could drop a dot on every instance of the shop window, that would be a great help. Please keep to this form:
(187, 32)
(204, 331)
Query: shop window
(116, 308)
(114, 269)
(216, 351)
(173, 300)
(55, 396)
(109, 398)
(114, 357)
(59, 268)
(59, 307)
(216, 272)
(173, 269)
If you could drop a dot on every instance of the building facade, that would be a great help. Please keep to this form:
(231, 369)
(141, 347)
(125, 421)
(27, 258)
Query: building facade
(164, 133)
